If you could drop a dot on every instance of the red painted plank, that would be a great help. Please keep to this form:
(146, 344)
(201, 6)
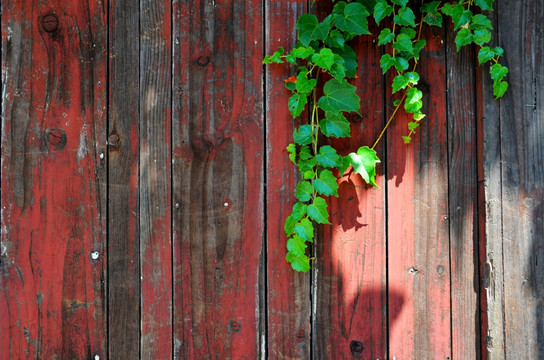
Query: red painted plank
(418, 244)
(218, 179)
(53, 117)
(351, 321)
(288, 291)
(155, 180)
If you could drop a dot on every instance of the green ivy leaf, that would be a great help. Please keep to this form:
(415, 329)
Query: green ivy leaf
(418, 46)
(317, 211)
(401, 63)
(364, 163)
(297, 103)
(481, 36)
(381, 10)
(296, 245)
(299, 210)
(385, 37)
(412, 125)
(335, 39)
(459, 15)
(326, 183)
(405, 17)
(408, 31)
(402, 3)
(480, 21)
(406, 139)
(463, 37)
(306, 165)
(327, 157)
(498, 72)
(298, 262)
(386, 62)
(404, 44)
(339, 96)
(403, 80)
(345, 163)
(299, 52)
(498, 51)
(305, 229)
(335, 125)
(304, 191)
(353, 19)
(499, 88)
(350, 60)
(413, 100)
(309, 28)
(303, 135)
(418, 115)
(484, 4)
(292, 149)
(485, 54)
(305, 152)
(432, 16)
(304, 85)
(324, 59)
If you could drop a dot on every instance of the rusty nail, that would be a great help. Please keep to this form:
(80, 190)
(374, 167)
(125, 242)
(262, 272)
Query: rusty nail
(50, 22)
(445, 218)
(235, 326)
(176, 205)
(440, 270)
(203, 61)
(113, 140)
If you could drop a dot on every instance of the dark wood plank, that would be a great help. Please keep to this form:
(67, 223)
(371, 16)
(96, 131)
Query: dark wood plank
(490, 219)
(123, 186)
(155, 162)
(350, 284)
(520, 28)
(218, 180)
(418, 244)
(463, 197)
(289, 304)
(53, 132)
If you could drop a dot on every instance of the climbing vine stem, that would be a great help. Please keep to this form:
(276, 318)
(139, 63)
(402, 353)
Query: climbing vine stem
(324, 47)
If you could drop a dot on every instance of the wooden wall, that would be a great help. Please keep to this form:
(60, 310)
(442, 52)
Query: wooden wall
(144, 185)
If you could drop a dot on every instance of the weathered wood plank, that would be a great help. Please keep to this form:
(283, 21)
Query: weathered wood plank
(218, 179)
(490, 217)
(155, 180)
(350, 320)
(53, 132)
(520, 29)
(418, 244)
(289, 309)
(463, 197)
(123, 184)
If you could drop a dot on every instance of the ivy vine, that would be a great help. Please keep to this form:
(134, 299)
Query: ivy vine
(323, 47)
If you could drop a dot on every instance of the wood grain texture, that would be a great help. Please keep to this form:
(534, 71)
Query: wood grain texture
(155, 180)
(418, 243)
(491, 253)
(350, 285)
(218, 154)
(123, 181)
(463, 197)
(521, 31)
(289, 306)
(53, 132)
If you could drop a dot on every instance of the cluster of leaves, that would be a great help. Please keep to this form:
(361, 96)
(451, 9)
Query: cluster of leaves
(323, 49)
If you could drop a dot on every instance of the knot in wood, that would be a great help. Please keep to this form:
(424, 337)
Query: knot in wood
(300, 335)
(50, 22)
(203, 61)
(54, 139)
(114, 140)
(235, 326)
(356, 347)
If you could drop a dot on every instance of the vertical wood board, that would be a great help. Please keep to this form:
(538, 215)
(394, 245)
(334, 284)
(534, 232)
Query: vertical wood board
(53, 132)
